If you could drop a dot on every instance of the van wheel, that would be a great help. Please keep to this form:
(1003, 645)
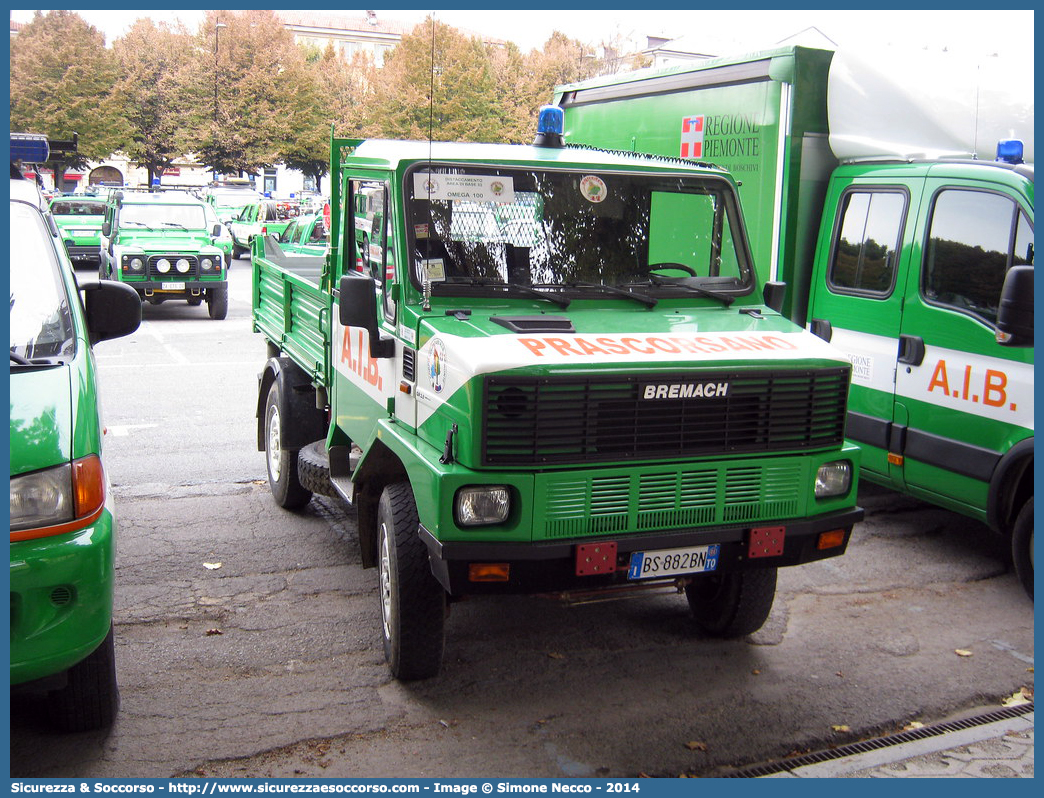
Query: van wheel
(217, 302)
(413, 603)
(282, 463)
(1022, 547)
(732, 605)
(90, 697)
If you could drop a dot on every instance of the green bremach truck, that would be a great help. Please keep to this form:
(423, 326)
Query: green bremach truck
(548, 369)
(900, 238)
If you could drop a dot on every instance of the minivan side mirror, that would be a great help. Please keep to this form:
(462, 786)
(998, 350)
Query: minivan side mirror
(1015, 311)
(358, 308)
(112, 310)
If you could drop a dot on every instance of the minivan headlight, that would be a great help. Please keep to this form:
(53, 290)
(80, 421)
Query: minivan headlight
(482, 505)
(57, 500)
(833, 479)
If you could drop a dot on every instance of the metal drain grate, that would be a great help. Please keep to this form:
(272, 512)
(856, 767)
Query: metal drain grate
(756, 771)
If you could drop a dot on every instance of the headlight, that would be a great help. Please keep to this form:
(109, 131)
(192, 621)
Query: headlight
(48, 502)
(833, 479)
(206, 264)
(182, 265)
(133, 263)
(163, 265)
(482, 504)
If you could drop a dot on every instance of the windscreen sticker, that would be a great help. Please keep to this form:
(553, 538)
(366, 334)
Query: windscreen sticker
(473, 188)
(593, 188)
(437, 365)
(420, 231)
(434, 270)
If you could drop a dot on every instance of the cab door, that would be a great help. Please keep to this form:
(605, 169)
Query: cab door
(963, 400)
(856, 302)
(363, 384)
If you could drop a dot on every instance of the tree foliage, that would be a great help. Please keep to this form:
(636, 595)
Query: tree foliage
(155, 90)
(62, 81)
(239, 95)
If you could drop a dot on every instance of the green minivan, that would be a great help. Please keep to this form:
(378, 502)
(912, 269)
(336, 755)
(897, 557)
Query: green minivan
(62, 522)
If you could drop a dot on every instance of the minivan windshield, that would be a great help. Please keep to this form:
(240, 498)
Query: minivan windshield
(41, 320)
(554, 229)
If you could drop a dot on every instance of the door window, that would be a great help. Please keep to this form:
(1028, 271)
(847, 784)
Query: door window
(866, 247)
(972, 241)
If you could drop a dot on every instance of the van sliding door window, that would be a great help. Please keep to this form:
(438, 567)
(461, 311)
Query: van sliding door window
(970, 248)
(866, 246)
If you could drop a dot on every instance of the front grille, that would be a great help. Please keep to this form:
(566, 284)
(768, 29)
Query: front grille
(173, 273)
(577, 505)
(559, 420)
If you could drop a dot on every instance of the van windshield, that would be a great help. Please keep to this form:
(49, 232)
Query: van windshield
(41, 320)
(485, 225)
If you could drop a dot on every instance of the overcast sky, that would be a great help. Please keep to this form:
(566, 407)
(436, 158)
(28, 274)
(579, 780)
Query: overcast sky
(715, 32)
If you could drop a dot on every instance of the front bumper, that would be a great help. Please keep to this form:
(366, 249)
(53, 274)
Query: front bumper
(61, 599)
(553, 566)
(147, 287)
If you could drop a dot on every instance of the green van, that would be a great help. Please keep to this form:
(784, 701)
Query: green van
(62, 523)
(80, 221)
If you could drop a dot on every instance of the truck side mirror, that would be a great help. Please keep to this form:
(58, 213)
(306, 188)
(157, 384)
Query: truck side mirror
(1015, 311)
(112, 310)
(358, 308)
(216, 230)
(774, 293)
(106, 229)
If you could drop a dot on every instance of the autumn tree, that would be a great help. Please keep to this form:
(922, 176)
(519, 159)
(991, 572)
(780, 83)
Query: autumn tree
(435, 81)
(253, 79)
(154, 87)
(62, 81)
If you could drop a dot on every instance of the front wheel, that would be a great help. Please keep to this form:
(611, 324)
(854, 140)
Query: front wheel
(90, 697)
(413, 603)
(217, 302)
(1022, 547)
(734, 604)
(283, 478)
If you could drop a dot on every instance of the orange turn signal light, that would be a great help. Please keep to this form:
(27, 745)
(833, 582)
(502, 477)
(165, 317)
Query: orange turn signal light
(831, 539)
(488, 571)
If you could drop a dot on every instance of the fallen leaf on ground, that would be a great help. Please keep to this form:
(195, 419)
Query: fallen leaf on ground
(212, 566)
(841, 728)
(913, 724)
(696, 745)
(211, 632)
(555, 655)
(962, 652)
(1019, 698)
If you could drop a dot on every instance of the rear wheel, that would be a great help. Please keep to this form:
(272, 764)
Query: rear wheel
(734, 604)
(1022, 547)
(90, 697)
(413, 603)
(282, 463)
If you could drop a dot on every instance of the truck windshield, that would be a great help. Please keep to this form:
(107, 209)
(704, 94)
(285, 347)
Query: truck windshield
(41, 321)
(158, 216)
(475, 226)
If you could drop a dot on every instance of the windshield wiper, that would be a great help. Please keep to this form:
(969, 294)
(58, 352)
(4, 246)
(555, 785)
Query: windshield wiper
(559, 300)
(645, 299)
(174, 224)
(138, 224)
(682, 282)
(19, 361)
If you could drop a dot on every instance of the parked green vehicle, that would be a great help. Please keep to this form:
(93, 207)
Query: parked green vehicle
(261, 218)
(305, 235)
(80, 220)
(229, 197)
(162, 245)
(555, 373)
(63, 527)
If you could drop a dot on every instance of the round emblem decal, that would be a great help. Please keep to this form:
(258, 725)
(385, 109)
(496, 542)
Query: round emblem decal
(437, 365)
(593, 188)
